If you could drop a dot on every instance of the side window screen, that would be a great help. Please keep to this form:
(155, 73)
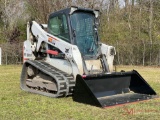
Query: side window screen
(58, 27)
(54, 26)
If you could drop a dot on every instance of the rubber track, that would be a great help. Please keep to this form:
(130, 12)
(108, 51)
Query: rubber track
(65, 82)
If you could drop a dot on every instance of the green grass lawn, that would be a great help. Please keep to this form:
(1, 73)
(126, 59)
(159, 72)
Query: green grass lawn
(17, 104)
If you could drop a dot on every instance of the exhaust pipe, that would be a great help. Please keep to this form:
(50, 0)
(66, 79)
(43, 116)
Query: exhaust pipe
(104, 90)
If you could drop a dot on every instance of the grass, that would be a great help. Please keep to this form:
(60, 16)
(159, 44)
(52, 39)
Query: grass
(16, 104)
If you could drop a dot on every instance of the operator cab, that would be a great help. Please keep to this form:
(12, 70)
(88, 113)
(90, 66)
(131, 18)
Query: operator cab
(77, 26)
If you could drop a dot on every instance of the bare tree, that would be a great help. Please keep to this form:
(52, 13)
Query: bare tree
(12, 12)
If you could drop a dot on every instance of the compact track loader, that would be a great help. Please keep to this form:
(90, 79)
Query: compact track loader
(65, 57)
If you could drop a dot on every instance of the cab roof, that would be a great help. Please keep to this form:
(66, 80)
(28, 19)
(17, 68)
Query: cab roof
(73, 9)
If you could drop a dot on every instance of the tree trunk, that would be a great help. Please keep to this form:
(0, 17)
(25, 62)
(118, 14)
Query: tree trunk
(133, 1)
(126, 4)
(118, 56)
(143, 41)
(150, 29)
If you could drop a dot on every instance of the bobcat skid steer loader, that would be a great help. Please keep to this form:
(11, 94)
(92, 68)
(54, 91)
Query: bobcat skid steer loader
(65, 57)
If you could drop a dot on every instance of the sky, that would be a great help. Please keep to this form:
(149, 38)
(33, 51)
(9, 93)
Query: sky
(121, 2)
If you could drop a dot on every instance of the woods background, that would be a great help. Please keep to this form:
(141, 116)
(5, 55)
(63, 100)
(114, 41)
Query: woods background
(132, 26)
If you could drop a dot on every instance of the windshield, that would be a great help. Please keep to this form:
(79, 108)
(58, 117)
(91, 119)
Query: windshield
(84, 30)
